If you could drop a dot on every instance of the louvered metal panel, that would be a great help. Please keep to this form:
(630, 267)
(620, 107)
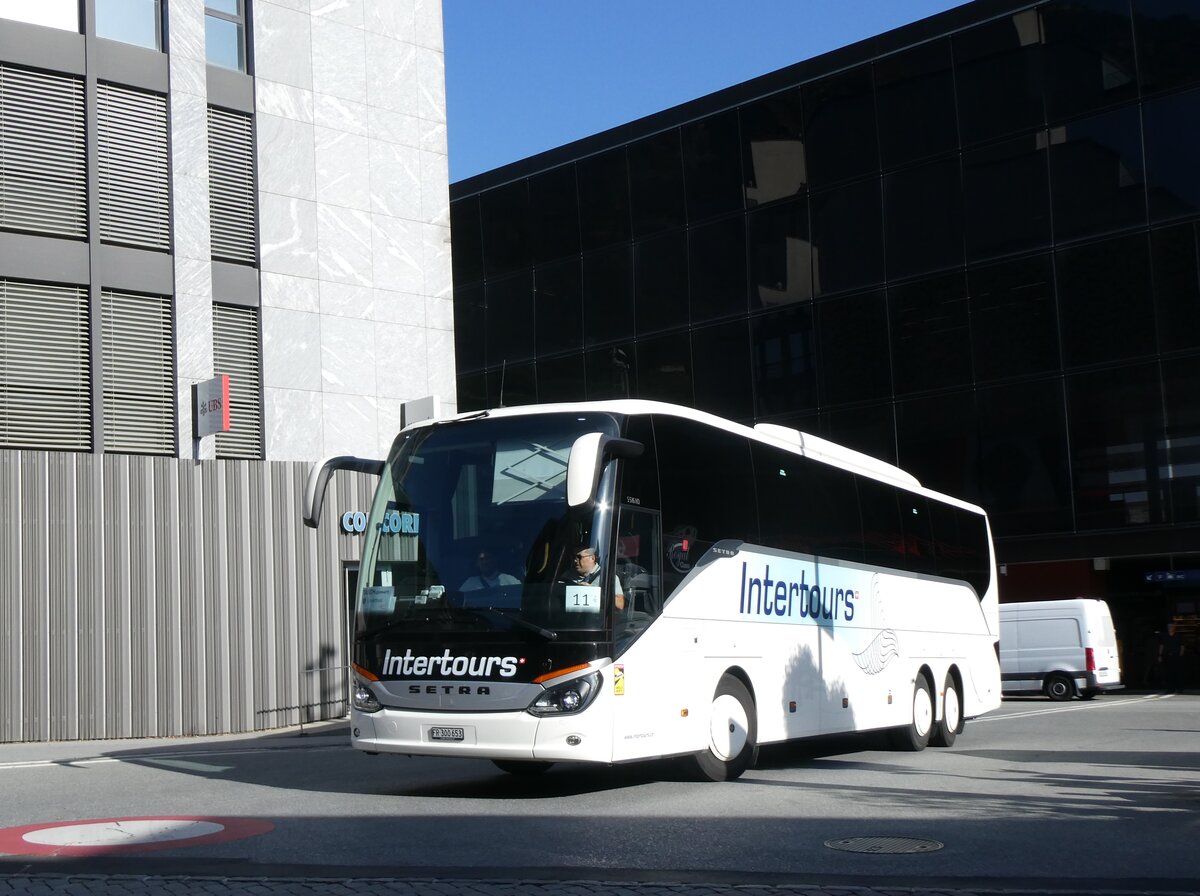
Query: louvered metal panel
(169, 629)
(45, 374)
(215, 602)
(236, 353)
(192, 594)
(62, 540)
(116, 643)
(12, 720)
(93, 680)
(153, 596)
(231, 185)
(134, 178)
(139, 374)
(33, 596)
(43, 167)
(143, 604)
(238, 560)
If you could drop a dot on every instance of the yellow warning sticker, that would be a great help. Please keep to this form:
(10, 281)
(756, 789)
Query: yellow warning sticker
(618, 680)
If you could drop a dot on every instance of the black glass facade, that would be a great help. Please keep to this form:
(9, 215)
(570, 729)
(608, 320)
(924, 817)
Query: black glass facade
(969, 246)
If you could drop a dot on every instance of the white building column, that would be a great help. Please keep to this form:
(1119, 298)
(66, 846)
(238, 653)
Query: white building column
(189, 191)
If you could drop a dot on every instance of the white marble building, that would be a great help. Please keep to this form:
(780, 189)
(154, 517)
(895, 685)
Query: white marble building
(345, 189)
(354, 220)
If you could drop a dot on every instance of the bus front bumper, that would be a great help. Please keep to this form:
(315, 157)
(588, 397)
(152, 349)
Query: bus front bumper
(493, 735)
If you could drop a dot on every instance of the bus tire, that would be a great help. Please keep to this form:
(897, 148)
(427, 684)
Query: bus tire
(1059, 687)
(733, 731)
(521, 766)
(950, 725)
(914, 736)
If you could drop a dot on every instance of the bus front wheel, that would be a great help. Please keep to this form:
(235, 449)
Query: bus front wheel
(732, 732)
(915, 735)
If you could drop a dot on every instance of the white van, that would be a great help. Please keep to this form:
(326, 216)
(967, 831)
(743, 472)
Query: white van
(1060, 648)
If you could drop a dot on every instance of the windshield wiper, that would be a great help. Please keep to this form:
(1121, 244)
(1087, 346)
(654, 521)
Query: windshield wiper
(407, 622)
(448, 614)
(515, 618)
(420, 617)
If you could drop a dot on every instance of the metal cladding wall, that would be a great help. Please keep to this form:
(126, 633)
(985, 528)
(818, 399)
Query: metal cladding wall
(151, 596)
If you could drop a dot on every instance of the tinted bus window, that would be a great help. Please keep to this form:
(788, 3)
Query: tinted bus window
(640, 483)
(973, 537)
(960, 545)
(918, 533)
(806, 506)
(883, 538)
(707, 488)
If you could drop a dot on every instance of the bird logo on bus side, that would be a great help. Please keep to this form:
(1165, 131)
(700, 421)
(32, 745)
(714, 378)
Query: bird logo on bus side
(885, 646)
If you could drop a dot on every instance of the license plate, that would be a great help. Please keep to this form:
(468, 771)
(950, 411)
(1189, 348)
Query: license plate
(446, 734)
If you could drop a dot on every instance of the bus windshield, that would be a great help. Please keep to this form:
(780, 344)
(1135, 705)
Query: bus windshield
(470, 534)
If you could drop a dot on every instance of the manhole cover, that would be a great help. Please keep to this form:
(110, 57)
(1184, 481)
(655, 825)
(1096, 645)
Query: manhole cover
(890, 845)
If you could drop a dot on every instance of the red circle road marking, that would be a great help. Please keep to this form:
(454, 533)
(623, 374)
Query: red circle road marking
(109, 836)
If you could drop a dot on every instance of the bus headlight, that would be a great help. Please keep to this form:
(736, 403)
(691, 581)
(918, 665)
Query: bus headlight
(364, 699)
(570, 697)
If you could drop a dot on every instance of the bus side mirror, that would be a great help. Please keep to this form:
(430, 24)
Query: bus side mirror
(318, 481)
(588, 456)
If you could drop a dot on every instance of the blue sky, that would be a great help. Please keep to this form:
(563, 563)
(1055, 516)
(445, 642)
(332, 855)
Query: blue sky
(524, 76)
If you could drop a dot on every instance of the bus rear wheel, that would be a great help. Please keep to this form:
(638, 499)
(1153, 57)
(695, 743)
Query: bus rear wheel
(914, 736)
(732, 732)
(521, 766)
(950, 725)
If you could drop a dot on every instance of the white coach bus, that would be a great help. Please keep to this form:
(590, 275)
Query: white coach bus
(754, 586)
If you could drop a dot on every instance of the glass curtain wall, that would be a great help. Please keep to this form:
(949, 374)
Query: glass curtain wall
(975, 256)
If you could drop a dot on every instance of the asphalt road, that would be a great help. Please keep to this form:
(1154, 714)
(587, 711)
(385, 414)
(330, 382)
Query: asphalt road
(1080, 796)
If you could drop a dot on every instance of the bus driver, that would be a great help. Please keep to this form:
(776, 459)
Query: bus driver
(587, 572)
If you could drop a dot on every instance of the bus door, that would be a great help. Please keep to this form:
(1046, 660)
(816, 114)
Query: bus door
(646, 657)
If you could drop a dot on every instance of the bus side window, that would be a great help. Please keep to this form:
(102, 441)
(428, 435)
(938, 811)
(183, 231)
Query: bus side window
(918, 533)
(961, 545)
(782, 502)
(638, 561)
(883, 537)
(698, 467)
(806, 506)
(639, 476)
(639, 569)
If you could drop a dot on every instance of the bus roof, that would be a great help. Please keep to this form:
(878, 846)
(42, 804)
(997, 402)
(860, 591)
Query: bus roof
(802, 443)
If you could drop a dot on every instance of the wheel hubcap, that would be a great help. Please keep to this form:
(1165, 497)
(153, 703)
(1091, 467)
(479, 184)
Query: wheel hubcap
(729, 729)
(922, 712)
(953, 710)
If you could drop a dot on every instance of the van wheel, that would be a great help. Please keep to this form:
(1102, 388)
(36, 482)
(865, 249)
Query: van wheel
(950, 725)
(915, 735)
(521, 766)
(1059, 687)
(732, 744)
